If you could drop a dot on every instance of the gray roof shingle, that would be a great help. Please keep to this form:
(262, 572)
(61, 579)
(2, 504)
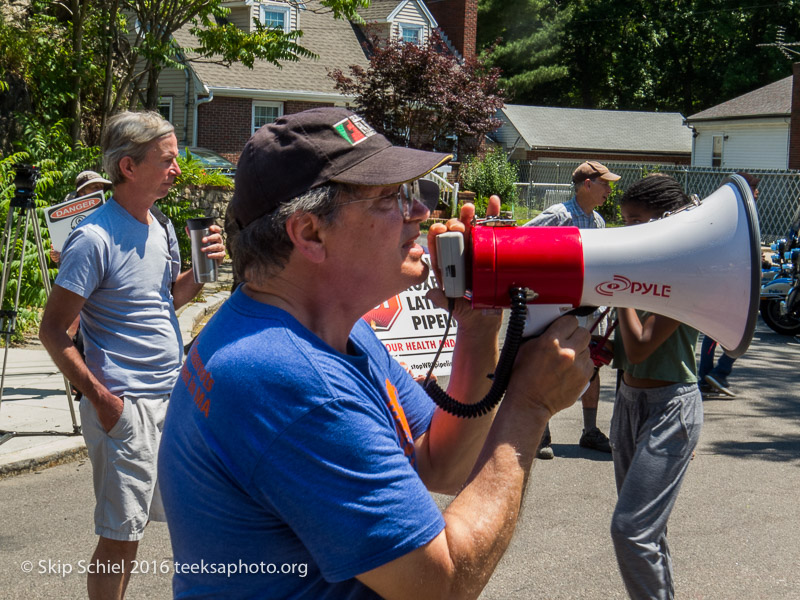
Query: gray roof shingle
(378, 10)
(771, 100)
(609, 130)
(335, 41)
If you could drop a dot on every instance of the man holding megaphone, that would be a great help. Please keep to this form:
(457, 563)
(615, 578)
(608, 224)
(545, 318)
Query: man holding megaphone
(293, 435)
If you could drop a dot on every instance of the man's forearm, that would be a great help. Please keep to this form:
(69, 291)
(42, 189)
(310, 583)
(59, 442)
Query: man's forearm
(480, 521)
(453, 442)
(185, 289)
(70, 362)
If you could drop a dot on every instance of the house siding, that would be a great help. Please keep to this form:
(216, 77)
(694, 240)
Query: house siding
(758, 144)
(172, 84)
(254, 12)
(411, 14)
(506, 134)
(242, 16)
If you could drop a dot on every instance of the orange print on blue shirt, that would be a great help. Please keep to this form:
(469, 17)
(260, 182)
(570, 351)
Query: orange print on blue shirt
(401, 424)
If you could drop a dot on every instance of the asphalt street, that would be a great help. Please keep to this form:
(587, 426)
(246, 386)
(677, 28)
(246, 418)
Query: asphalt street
(733, 532)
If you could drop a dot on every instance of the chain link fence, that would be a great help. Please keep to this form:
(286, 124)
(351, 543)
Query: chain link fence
(543, 183)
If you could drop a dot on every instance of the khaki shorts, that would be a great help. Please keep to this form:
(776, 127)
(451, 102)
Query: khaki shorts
(124, 466)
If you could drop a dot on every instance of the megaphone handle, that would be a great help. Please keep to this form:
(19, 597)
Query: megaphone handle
(502, 373)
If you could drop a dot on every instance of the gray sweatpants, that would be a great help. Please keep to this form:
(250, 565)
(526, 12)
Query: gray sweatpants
(653, 433)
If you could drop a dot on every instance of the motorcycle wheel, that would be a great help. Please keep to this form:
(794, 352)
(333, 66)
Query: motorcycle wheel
(784, 324)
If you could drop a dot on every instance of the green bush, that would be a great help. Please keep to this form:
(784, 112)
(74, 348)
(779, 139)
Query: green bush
(609, 210)
(487, 175)
(49, 149)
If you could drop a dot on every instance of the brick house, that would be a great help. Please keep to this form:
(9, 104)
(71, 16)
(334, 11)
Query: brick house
(220, 107)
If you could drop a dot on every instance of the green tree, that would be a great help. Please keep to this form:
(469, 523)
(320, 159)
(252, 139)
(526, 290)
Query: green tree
(422, 96)
(667, 55)
(523, 39)
(85, 61)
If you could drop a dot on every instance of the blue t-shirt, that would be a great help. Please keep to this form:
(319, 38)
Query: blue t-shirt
(568, 214)
(125, 270)
(289, 460)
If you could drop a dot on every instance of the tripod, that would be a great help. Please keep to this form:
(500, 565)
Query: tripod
(24, 204)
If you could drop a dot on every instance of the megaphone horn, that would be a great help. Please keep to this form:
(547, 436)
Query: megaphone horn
(700, 266)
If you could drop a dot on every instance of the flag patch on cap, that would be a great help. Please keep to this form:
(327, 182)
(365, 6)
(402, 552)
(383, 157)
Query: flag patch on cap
(354, 129)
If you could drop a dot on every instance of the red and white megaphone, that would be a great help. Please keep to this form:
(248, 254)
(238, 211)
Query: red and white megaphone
(701, 266)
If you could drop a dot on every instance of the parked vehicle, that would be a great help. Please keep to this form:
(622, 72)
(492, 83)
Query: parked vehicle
(780, 290)
(210, 159)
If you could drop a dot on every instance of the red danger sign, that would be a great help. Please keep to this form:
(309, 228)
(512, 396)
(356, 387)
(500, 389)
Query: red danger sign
(68, 209)
(412, 328)
(383, 316)
(63, 218)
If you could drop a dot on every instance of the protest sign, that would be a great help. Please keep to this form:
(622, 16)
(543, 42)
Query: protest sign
(411, 328)
(63, 218)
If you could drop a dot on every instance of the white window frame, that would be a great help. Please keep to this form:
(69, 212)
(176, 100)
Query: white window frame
(286, 10)
(258, 103)
(418, 29)
(166, 102)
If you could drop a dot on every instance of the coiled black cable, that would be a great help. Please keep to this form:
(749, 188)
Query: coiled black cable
(502, 373)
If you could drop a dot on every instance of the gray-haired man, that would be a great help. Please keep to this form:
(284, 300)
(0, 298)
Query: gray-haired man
(120, 270)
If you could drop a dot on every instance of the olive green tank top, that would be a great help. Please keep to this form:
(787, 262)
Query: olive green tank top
(674, 360)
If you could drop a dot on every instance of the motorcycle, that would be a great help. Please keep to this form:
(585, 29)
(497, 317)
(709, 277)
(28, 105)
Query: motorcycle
(780, 295)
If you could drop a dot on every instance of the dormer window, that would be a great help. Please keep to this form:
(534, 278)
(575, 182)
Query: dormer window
(411, 34)
(276, 16)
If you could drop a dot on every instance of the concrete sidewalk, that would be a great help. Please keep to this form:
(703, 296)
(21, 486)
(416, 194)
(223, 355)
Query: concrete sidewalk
(40, 427)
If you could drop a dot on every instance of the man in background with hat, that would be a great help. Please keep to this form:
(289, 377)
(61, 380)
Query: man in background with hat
(592, 183)
(88, 182)
(297, 454)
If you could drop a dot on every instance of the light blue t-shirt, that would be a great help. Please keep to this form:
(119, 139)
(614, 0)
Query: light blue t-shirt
(125, 271)
(289, 461)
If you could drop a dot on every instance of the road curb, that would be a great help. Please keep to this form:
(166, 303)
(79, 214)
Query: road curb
(33, 460)
(191, 315)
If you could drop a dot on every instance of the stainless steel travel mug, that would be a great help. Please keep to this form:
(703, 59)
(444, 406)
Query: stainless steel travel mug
(205, 269)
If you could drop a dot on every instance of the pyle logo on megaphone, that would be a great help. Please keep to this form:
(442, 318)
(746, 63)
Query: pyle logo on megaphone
(622, 284)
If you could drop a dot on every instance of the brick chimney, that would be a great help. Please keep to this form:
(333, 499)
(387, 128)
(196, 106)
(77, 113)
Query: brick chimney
(459, 21)
(794, 120)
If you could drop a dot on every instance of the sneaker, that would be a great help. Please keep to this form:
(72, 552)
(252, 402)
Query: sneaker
(594, 439)
(719, 384)
(705, 388)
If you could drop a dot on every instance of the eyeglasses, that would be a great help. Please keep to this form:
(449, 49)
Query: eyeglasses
(423, 191)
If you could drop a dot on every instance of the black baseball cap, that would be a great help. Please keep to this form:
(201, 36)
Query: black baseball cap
(304, 150)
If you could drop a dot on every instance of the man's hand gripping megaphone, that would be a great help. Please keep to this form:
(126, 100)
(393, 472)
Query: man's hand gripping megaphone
(551, 371)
